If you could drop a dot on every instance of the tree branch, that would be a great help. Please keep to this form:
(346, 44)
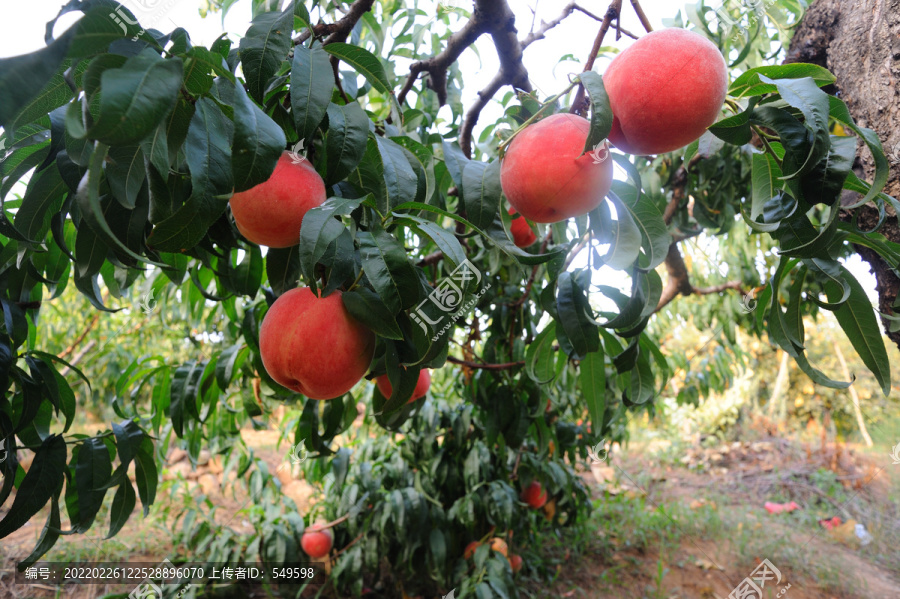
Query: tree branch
(679, 281)
(340, 29)
(613, 12)
(479, 366)
(641, 15)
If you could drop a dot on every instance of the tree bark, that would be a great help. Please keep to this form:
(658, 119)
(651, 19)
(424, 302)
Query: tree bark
(859, 41)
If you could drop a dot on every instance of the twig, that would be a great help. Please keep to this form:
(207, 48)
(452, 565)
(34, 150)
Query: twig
(93, 322)
(477, 366)
(643, 17)
(339, 30)
(613, 12)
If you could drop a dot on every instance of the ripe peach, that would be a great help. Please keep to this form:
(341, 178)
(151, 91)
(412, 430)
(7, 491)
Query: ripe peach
(422, 386)
(546, 177)
(470, 549)
(271, 213)
(522, 234)
(312, 345)
(317, 542)
(515, 562)
(664, 91)
(499, 545)
(534, 495)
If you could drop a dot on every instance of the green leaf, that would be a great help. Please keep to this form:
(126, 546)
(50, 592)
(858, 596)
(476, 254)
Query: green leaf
(49, 535)
(283, 268)
(857, 318)
(136, 97)
(43, 480)
(575, 314)
(123, 504)
(258, 143)
(601, 111)
(388, 269)
(365, 63)
(750, 82)
(540, 357)
(319, 230)
(839, 111)
(43, 198)
(146, 474)
(312, 82)
(126, 173)
(823, 184)
(92, 470)
(445, 240)
(265, 45)
(366, 306)
(735, 129)
(765, 174)
(32, 85)
(401, 183)
(481, 192)
(623, 236)
(100, 27)
(345, 145)
(654, 232)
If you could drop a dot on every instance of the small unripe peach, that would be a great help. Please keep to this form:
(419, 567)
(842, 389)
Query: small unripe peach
(546, 175)
(664, 91)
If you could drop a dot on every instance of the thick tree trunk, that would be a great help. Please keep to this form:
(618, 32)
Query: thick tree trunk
(859, 41)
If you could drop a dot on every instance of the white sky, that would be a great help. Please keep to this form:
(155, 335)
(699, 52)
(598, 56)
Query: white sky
(22, 32)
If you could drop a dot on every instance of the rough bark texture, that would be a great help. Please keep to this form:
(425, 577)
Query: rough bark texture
(859, 41)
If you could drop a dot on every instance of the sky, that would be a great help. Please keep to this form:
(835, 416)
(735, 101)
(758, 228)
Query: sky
(20, 34)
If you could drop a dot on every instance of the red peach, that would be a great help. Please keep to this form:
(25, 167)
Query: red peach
(522, 234)
(312, 345)
(534, 495)
(664, 91)
(470, 549)
(515, 562)
(271, 213)
(547, 177)
(317, 542)
(422, 385)
(499, 545)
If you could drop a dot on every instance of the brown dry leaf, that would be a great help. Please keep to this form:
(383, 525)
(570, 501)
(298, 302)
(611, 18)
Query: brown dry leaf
(846, 534)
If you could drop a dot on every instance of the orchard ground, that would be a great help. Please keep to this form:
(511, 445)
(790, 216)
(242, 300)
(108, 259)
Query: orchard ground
(675, 518)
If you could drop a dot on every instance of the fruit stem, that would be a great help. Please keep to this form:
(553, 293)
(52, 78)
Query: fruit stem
(358, 279)
(769, 149)
(734, 106)
(534, 117)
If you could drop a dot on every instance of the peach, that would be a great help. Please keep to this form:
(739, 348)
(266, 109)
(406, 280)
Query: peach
(664, 91)
(546, 176)
(515, 562)
(534, 495)
(500, 546)
(522, 234)
(422, 385)
(311, 344)
(470, 549)
(271, 213)
(317, 542)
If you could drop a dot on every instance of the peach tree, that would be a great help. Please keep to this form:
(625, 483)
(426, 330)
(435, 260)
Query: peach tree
(123, 146)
